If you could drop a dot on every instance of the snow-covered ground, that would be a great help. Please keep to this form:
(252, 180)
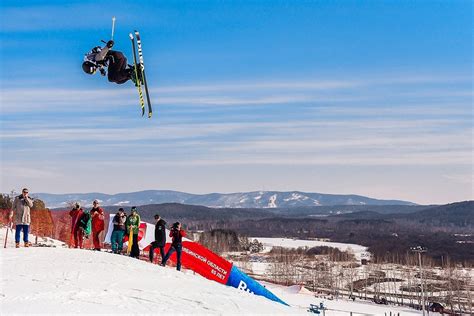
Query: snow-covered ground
(268, 243)
(47, 280)
(300, 297)
(42, 241)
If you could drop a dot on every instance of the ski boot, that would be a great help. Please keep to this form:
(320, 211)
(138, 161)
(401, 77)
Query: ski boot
(133, 77)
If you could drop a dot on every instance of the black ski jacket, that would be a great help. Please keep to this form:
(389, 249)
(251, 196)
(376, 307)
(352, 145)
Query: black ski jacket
(160, 233)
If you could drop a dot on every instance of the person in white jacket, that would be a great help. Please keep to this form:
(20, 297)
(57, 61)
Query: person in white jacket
(22, 209)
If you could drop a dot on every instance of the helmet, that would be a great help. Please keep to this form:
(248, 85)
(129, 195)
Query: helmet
(77, 205)
(89, 67)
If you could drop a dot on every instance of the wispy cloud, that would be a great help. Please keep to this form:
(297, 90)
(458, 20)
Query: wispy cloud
(286, 143)
(233, 94)
(280, 124)
(300, 128)
(265, 85)
(462, 179)
(21, 172)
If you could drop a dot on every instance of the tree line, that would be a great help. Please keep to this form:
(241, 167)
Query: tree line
(42, 222)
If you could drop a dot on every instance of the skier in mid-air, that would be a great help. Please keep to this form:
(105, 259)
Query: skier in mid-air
(100, 58)
(118, 71)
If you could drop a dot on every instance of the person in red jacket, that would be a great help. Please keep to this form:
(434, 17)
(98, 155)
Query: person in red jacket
(177, 234)
(98, 225)
(75, 214)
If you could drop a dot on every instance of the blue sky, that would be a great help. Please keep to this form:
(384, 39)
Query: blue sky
(364, 97)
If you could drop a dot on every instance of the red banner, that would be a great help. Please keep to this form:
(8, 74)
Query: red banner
(201, 260)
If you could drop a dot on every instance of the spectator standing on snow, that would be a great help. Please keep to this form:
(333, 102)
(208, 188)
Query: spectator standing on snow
(22, 209)
(177, 234)
(82, 228)
(160, 237)
(97, 215)
(75, 214)
(133, 225)
(116, 239)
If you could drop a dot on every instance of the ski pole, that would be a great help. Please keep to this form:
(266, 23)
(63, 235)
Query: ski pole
(6, 238)
(9, 227)
(113, 27)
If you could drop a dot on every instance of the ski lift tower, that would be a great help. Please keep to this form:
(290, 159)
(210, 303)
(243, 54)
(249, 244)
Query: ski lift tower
(420, 250)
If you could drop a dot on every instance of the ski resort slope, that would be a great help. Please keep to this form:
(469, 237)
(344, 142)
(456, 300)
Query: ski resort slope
(60, 280)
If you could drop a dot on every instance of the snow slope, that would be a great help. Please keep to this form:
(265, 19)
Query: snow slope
(58, 280)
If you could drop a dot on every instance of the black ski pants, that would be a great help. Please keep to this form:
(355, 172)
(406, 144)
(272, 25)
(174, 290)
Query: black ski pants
(153, 246)
(178, 248)
(135, 251)
(118, 71)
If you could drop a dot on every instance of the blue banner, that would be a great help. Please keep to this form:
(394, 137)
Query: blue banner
(241, 281)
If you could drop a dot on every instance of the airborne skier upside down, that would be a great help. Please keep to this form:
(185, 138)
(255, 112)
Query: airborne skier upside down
(100, 58)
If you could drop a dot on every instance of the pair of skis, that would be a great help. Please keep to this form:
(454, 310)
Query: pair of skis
(140, 80)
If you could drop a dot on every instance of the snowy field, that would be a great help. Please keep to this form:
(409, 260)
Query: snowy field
(268, 243)
(301, 297)
(58, 280)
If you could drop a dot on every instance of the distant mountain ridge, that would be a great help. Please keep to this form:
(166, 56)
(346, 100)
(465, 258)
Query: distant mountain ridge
(256, 199)
(460, 214)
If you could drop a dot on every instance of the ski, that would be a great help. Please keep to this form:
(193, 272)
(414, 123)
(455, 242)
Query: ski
(142, 64)
(135, 65)
(130, 241)
(9, 227)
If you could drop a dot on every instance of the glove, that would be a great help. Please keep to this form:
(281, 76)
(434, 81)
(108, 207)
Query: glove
(102, 71)
(110, 44)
